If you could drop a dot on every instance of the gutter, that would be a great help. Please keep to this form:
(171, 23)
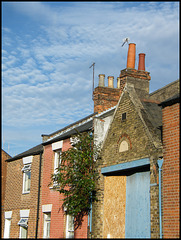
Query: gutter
(38, 201)
(160, 162)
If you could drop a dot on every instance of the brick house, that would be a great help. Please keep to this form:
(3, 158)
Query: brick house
(129, 186)
(171, 167)
(22, 195)
(54, 221)
(4, 157)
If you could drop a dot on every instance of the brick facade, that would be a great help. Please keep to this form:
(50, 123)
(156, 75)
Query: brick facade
(142, 146)
(105, 98)
(51, 196)
(171, 172)
(16, 201)
(4, 156)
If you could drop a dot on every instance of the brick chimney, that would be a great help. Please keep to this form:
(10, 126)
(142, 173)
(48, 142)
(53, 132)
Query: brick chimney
(107, 97)
(139, 78)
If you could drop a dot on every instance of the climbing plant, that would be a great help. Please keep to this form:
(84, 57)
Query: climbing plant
(76, 176)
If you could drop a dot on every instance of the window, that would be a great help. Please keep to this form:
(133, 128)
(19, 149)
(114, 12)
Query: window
(57, 162)
(7, 228)
(23, 223)
(7, 224)
(47, 220)
(123, 116)
(69, 226)
(26, 178)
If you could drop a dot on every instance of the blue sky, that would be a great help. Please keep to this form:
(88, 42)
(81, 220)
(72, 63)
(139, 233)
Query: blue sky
(48, 47)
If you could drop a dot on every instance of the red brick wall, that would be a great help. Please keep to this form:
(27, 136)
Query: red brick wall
(105, 98)
(50, 196)
(170, 172)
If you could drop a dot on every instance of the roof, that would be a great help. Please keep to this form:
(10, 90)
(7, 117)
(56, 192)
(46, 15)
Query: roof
(166, 86)
(32, 151)
(154, 113)
(71, 125)
(152, 116)
(82, 125)
(66, 134)
(170, 101)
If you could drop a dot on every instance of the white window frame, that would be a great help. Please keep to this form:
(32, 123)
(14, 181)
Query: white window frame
(23, 223)
(26, 185)
(69, 226)
(57, 162)
(47, 224)
(23, 228)
(7, 224)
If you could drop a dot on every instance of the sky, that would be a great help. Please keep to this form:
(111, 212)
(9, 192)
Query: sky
(47, 51)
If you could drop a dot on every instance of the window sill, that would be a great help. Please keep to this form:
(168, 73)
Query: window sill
(54, 186)
(25, 192)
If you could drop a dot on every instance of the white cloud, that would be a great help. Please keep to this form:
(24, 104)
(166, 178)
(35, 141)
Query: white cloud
(46, 75)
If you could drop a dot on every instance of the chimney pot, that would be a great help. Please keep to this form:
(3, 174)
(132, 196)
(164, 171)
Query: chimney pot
(118, 82)
(141, 65)
(111, 81)
(101, 80)
(131, 55)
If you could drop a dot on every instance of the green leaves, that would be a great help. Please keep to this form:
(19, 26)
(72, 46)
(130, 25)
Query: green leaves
(76, 176)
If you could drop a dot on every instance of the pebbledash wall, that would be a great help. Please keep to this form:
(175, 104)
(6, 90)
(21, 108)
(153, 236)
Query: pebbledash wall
(171, 168)
(51, 199)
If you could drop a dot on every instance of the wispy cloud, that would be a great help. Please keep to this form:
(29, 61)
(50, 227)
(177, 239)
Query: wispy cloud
(46, 75)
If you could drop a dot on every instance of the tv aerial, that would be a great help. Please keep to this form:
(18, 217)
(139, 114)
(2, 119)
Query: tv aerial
(125, 40)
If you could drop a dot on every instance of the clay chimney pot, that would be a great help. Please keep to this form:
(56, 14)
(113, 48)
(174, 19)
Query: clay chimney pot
(131, 55)
(101, 80)
(141, 64)
(111, 81)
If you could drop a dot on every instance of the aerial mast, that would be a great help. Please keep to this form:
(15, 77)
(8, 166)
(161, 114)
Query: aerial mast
(93, 78)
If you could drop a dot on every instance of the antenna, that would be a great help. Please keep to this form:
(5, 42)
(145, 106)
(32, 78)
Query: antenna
(93, 78)
(125, 40)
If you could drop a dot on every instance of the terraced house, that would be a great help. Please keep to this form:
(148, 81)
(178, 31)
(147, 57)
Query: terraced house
(134, 201)
(138, 167)
(22, 195)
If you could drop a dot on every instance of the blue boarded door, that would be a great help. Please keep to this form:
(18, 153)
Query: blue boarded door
(137, 217)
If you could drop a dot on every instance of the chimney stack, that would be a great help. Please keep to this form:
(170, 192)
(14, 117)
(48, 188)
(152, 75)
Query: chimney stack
(131, 55)
(141, 65)
(101, 80)
(111, 81)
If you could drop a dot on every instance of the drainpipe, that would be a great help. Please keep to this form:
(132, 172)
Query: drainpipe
(160, 162)
(90, 213)
(38, 201)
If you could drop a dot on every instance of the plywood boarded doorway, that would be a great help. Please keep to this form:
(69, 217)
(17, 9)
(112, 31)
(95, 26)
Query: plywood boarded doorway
(114, 206)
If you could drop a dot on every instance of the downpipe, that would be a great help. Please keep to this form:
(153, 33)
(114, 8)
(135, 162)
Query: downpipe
(160, 162)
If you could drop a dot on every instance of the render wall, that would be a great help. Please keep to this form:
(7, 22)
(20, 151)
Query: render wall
(171, 172)
(140, 146)
(16, 201)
